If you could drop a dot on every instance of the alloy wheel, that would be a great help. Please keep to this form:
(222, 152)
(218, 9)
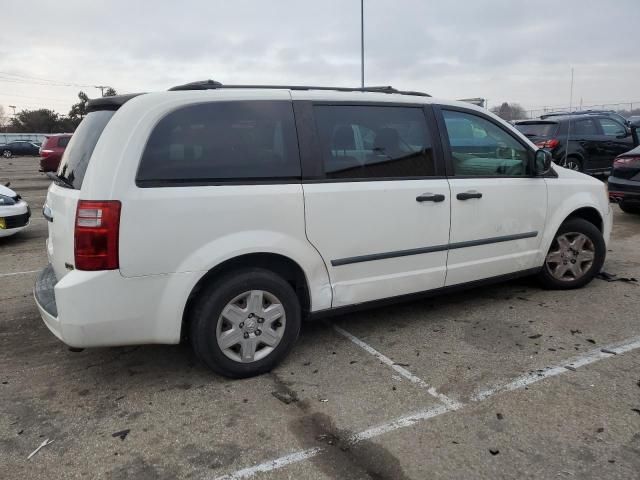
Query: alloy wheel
(572, 164)
(571, 256)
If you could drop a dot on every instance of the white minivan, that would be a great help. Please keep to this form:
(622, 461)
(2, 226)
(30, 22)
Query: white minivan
(225, 215)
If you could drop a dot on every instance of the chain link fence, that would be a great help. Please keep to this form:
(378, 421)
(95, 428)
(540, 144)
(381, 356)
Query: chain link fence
(626, 109)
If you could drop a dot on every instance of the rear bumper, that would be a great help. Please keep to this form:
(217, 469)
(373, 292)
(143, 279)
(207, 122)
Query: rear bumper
(622, 190)
(105, 309)
(49, 164)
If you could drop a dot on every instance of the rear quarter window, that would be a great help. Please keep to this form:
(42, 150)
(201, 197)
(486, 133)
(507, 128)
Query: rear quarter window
(77, 155)
(222, 142)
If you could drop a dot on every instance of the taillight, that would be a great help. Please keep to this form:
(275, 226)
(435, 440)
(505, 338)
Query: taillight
(627, 162)
(96, 235)
(553, 143)
(45, 153)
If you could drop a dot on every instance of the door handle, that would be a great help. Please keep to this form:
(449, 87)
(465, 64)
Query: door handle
(430, 197)
(468, 195)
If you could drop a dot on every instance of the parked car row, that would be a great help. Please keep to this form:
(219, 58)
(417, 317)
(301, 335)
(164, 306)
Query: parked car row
(584, 142)
(50, 150)
(593, 142)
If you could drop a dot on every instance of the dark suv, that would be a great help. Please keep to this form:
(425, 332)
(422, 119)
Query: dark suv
(586, 143)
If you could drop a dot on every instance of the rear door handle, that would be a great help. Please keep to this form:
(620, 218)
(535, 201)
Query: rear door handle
(430, 197)
(468, 195)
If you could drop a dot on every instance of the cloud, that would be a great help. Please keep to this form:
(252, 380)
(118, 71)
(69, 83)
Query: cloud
(503, 50)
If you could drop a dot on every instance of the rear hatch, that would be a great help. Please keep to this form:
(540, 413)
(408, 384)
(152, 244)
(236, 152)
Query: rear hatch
(64, 192)
(627, 166)
(538, 131)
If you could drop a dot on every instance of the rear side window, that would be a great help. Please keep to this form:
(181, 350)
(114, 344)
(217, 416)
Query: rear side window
(540, 129)
(63, 141)
(222, 141)
(374, 142)
(584, 127)
(75, 159)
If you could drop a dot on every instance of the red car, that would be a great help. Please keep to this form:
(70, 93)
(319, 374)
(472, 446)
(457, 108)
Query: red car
(52, 150)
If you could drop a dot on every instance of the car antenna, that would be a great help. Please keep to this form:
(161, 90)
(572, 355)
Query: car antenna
(566, 149)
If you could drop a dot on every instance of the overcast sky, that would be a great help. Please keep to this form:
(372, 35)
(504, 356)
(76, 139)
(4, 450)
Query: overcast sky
(503, 50)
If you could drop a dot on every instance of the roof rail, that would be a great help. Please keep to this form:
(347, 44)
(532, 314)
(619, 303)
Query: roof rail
(214, 85)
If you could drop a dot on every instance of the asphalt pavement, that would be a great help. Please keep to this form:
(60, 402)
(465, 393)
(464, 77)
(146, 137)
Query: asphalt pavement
(505, 381)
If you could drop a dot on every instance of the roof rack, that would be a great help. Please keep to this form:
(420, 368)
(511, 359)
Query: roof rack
(214, 85)
(576, 112)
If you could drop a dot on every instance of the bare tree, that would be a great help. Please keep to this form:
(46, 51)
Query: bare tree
(510, 111)
(4, 120)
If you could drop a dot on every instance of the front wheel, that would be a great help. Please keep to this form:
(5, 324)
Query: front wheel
(6, 153)
(245, 323)
(576, 255)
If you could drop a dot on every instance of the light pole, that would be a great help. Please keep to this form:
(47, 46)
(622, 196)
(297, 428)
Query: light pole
(362, 43)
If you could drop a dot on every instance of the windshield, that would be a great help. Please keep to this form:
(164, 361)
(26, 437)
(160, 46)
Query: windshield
(539, 129)
(75, 159)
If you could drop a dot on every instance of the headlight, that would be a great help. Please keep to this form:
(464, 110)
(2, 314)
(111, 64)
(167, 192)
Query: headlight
(4, 200)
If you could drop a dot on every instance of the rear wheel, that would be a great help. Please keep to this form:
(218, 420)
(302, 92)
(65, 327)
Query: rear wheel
(576, 255)
(245, 323)
(573, 163)
(6, 153)
(629, 209)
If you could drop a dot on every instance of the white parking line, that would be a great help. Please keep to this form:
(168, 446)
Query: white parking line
(572, 363)
(18, 273)
(449, 402)
(588, 358)
(273, 464)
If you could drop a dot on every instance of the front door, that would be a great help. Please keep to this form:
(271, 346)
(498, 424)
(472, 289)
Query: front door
(377, 208)
(498, 209)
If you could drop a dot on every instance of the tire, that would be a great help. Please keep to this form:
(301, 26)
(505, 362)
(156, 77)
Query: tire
(571, 230)
(229, 293)
(573, 163)
(629, 209)
(7, 153)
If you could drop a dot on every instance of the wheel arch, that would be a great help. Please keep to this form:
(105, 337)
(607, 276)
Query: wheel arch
(284, 266)
(580, 204)
(590, 214)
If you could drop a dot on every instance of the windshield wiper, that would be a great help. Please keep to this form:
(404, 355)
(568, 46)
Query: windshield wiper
(63, 182)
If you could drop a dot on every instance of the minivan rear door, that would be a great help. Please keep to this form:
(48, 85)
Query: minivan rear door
(64, 192)
(377, 204)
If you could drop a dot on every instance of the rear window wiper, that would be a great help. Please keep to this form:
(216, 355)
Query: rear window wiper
(63, 182)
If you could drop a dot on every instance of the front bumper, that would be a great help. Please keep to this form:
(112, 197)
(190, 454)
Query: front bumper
(14, 218)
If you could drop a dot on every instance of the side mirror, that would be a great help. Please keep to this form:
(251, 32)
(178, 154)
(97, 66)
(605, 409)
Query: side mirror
(542, 163)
